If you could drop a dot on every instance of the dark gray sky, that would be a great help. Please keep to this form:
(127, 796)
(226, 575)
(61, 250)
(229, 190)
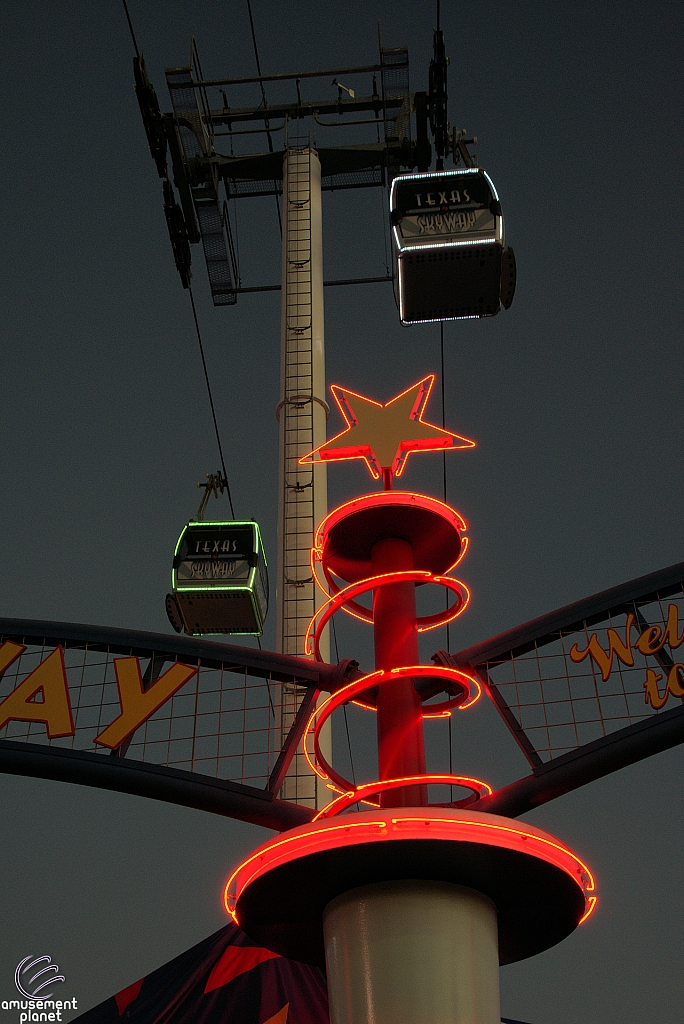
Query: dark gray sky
(573, 396)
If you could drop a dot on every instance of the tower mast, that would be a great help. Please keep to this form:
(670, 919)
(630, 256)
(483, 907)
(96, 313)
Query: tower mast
(302, 414)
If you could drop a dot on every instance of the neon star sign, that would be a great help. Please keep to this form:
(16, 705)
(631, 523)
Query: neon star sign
(385, 435)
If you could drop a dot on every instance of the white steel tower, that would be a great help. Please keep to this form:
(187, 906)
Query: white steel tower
(302, 414)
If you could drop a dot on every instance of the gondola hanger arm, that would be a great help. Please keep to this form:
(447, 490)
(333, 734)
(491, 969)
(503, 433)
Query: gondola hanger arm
(215, 482)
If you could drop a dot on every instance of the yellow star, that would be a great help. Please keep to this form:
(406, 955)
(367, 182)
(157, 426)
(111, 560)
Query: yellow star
(385, 435)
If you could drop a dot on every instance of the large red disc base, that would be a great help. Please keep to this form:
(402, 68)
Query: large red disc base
(541, 890)
(345, 539)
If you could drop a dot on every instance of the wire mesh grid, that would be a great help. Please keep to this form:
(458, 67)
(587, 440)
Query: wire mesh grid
(395, 82)
(362, 178)
(221, 723)
(576, 685)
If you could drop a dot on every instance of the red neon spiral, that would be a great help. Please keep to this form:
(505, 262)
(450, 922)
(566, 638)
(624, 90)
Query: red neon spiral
(358, 611)
(465, 688)
(347, 595)
(349, 792)
(367, 789)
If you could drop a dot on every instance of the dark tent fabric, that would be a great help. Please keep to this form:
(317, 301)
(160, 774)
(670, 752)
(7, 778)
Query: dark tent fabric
(225, 978)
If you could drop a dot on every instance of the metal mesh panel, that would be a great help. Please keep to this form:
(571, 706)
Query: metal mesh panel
(213, 224)
(395, 82)
(220, 264)
(239, 188)
(222, 723)
(186, 109)
(576, 685)
(353, 179)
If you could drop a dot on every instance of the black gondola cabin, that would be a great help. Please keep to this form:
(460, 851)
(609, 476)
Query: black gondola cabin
(219, 579)
(448, 242)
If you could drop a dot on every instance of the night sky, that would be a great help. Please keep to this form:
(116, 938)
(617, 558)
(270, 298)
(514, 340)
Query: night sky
(573, 397)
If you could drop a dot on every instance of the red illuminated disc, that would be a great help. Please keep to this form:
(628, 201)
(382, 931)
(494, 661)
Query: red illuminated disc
(345, 539)
(540, 888)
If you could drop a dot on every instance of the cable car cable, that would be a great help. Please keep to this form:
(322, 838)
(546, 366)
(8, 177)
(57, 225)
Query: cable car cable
(383, 201)
(130, 25)
(249, 591)
(443, 458)
(263, 97)
(346, 723)
(351, 759)
(386, 231)
(444, 477)
(268, 684)
(444, 465)
(194, 313)
(211, 401)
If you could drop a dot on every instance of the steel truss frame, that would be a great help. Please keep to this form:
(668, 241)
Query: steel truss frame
(173, 785)
(260, 806)
(198, 170)
(602, 756)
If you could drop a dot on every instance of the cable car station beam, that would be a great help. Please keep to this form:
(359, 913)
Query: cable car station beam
(326, 284)
(333, 160)
(293, 77)
(374, 104)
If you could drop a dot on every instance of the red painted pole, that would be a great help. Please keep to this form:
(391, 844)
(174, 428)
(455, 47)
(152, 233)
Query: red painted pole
(401, 745)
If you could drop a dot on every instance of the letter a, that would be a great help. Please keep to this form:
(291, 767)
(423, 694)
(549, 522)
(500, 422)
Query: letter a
(55, 708)
(137, 704)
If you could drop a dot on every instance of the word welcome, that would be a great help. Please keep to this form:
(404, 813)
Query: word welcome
(649, 642)
(44, 695)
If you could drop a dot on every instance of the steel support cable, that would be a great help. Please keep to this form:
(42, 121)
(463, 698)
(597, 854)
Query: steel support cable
(263, 97)
(444, 487)
(211, 402)
(197, 328)
(444, 464)
(383, 199)
(130, 25)
(346, 722)
(386, 231)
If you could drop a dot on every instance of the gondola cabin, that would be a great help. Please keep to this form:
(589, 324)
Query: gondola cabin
(219, 579)
(448, 242)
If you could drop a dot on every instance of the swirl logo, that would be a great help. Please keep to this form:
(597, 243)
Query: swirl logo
(32, 987)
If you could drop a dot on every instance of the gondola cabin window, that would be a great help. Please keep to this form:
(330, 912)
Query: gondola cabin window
(219, 580)
(448, 245)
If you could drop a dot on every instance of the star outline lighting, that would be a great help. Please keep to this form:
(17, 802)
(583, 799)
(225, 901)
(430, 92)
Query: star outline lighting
(381, 439)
